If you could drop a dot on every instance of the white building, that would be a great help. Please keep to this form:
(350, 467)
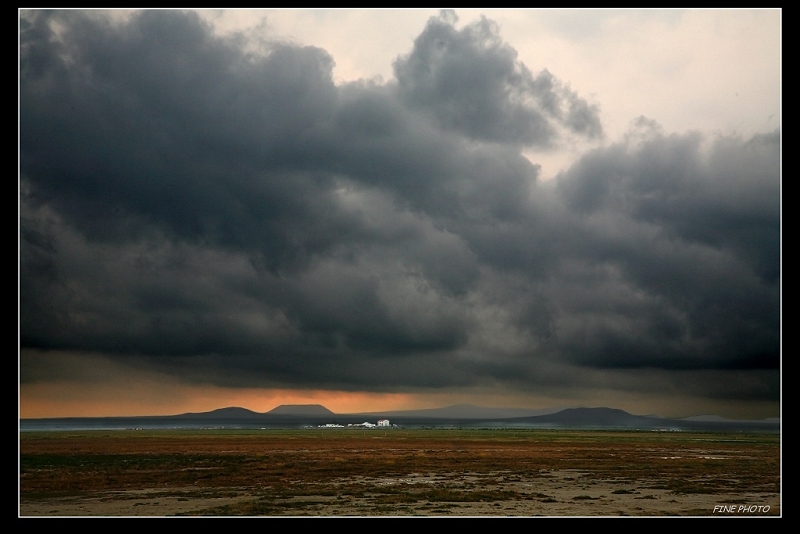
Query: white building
(383, 422)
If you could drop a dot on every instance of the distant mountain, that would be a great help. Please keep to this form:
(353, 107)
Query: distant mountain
(718, 419)
(463, 415)
(300, 409)
(223, 413)
(463, 411)
(706, 418)
(613, 418)
(595, 417)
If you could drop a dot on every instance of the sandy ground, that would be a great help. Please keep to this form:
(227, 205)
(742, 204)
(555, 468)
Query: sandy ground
(562, 493)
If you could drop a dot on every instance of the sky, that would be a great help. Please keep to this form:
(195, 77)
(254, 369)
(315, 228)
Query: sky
(399, 209)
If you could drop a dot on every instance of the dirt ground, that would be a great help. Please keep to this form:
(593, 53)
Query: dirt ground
(566, 495)
(463, 475)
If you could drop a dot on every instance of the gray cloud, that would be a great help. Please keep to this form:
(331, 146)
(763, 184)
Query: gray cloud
(472, 83)
(240, 218)
(692, 234)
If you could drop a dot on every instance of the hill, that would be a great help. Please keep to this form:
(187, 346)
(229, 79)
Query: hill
(300, 409)
(464, 411)
(232, 412)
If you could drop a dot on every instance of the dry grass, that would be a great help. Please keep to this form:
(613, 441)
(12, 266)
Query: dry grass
(399, 472)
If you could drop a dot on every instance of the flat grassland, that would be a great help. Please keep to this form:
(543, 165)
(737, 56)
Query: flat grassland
(438, 472)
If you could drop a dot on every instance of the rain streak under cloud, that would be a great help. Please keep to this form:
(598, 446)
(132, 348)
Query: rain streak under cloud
(229, 215)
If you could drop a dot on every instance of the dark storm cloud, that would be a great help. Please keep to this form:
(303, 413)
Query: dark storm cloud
(240, 218)
(472, 82)
(692, 234)
(160, 103)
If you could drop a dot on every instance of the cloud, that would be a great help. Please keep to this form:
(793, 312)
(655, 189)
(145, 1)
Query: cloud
(472, 83)
(692, 235)
(238, 218)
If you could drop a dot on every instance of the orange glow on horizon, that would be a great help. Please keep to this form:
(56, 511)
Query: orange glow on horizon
(65, 400)
(140, 394)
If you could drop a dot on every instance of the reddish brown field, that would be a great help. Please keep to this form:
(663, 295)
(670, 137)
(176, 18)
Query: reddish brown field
(398, 472)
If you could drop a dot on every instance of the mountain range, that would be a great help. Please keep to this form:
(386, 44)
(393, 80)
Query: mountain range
(464, 415)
